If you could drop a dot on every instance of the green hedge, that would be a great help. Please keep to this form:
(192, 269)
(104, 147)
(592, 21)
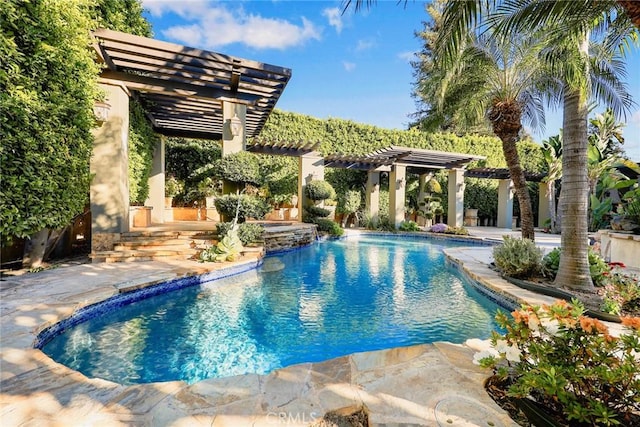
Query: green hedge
(250, 207)
(142, 141)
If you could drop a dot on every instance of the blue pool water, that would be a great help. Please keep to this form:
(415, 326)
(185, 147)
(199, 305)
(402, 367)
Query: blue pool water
(324, 301)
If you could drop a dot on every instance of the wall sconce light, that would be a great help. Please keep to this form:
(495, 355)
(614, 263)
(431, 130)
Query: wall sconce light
(399, 183)
(101, 111)
(461, 186)
(235, 125)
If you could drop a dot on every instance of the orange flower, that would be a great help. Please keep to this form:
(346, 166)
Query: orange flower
(590, 325)
(631, 322)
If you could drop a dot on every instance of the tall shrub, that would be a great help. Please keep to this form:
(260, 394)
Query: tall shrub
(142, 141)
(48, 87)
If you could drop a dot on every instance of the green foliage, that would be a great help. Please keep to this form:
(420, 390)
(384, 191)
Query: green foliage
(482, 194)
(183, 156)
(350, 201)
(569, 363)
(320, 190)
(317, 211)
(239, 168)
(48, 79)
(228, 249)
(121, 15)
(518, 257)
(142, 141)
(408, 226)
(621, 291)
(250, 207)
(327, 226)
(597, 265)
(172, 187)
(348, 137)
(247, 232)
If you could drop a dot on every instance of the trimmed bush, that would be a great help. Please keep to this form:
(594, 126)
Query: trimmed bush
(409, 226)
(250, 207)
(240, 168)
(328, 226)
(320, 190)
(317, 211)
(518, 257)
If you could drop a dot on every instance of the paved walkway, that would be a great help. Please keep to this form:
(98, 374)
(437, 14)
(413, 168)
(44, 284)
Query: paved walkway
(431, 385)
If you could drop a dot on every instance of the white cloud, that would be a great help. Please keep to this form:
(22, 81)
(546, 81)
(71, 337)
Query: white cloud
(349, 66)
(184, 8)
(218, 26)
(334, 16)
(364, 45)
(190, 35)
(407, 56)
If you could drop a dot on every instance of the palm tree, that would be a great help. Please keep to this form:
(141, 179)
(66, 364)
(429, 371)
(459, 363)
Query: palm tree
(552, 151)
(499, 79)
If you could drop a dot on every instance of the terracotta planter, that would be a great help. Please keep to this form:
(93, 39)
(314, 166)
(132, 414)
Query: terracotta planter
(168, 202)
(189, 214)
(140, 216)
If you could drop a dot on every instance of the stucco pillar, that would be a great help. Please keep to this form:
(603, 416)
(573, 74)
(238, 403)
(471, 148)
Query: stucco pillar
(397, 186)
(156, 184)
(543, 204)
(455, 188)
(109, 165)
(233, 143)
(505, 203)
(311, 168)
(372, 198)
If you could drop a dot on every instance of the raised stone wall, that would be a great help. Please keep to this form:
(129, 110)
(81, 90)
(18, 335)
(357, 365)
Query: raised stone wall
(620, 247)
(282, 238)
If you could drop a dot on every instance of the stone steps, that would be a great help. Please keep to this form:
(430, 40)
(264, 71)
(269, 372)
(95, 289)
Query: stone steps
(157, 245)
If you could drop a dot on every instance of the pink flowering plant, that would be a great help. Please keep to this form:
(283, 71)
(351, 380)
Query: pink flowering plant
(569, 363)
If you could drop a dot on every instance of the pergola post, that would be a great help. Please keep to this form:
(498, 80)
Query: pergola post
(109, 165)
(505, 203)
(455, 187)
(397, 185)
(234, 139)
(311, 168)
(372, 197)
(156, 183)
(543, 203)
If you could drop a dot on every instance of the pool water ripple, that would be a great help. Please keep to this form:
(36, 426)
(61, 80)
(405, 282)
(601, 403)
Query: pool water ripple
(328, 300)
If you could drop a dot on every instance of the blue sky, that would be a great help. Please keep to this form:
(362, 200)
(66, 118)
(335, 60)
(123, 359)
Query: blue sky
(352, 66)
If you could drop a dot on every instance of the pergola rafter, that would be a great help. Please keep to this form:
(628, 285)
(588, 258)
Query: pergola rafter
(183, 88)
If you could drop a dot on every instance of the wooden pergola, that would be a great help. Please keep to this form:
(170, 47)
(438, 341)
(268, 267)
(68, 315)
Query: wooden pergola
(183, 88)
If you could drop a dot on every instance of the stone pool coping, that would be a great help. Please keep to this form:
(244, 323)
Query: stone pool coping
(431, 384)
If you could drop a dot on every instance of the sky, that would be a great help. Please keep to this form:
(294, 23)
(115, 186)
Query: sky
(353, 66)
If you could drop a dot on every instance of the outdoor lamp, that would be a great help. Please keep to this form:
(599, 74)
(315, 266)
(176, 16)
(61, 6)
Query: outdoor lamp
(101, 111)
(235, 124)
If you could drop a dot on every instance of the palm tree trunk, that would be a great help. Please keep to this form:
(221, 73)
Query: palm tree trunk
(632, 8)
(574, 263)
(519, 182)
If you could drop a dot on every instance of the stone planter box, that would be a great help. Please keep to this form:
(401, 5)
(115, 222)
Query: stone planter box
(621, 247)
(140, 216)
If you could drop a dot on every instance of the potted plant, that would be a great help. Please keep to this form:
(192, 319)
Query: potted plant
(558, 364)
(172, 187)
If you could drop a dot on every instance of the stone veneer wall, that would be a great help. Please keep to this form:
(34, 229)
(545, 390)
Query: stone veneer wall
(283, 238)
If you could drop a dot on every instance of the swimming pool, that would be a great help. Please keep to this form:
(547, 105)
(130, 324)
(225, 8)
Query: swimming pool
(330, 299)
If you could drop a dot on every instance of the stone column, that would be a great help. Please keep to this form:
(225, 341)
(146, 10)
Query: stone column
(311, 168)
(372, 198)
(109, 165)
(505, 203)
(455, 187)
(397, 186)
(156, 184)
(233, 143)
(543, 204)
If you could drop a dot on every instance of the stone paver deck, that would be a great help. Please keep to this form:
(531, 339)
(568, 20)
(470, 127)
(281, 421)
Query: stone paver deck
(430, 385)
